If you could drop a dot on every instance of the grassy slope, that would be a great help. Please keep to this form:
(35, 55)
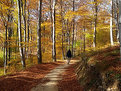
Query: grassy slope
(106, 60)
(102, 70)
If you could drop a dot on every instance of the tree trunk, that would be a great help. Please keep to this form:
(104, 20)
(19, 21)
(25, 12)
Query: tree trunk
(95, 24)
(6, 44)
(120, 26)
(17, 43)
(75, 37)
(9, 36)
(54, 41)
(10, 30)
(28, 31)
(31, 40)
(73, 29)
(68, 33)
(20, 35)
(117, 24)
(51, 20)
(111, 25)
(61, 2)
(24, 19)
(111, 32)
(4, 56)
(84, 40)
(39, 53)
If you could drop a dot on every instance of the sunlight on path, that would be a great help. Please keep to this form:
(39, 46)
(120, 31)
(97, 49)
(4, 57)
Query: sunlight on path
(52, 79)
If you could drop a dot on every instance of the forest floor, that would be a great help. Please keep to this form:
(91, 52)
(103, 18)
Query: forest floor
(28, 80)
(102, 69)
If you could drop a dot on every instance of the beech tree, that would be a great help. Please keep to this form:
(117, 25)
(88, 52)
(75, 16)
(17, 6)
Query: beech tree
(7, 22)
(10, 28)
(5, 43)
(117, 19)
(53, 34)
(39, 53)
(120, 26)
(24, 19)
(20, 35)
(55, 23)
(95, 24)
(73, 29)
(62, 21)
(111, 24)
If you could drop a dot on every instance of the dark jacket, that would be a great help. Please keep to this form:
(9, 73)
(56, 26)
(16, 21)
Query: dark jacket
(69, 55)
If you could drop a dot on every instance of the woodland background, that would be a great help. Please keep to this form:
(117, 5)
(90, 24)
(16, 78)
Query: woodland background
(39, 31)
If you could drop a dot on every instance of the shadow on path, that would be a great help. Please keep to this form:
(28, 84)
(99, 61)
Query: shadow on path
(51, 80)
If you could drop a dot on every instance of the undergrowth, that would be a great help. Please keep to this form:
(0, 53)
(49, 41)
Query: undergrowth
(1, 58)
(15, 64)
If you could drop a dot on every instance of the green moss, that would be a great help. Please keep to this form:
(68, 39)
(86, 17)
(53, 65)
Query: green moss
(118, 76)
(1, 54)
(1, 58)
(1, 71)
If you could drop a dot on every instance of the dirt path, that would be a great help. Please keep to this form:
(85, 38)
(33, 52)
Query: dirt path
(26, 79)
(50, 75)
(51, 80)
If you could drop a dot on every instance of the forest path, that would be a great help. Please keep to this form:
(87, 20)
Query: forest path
(50, 81)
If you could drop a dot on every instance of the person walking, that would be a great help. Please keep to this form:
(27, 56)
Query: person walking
(68, 55)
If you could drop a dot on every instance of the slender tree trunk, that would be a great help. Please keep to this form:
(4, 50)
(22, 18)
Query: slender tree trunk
(44, 35)
(31, 38)
(111, 32)
(75, 36)
(20, 35)
(68, 33)
(28, 30)
(6, 49)
(10, 30)
(24, 19)
(117, 24)
(84, 40)
(54, 41)
(51, 20)
(67, 36)
(16, 49)
(61, 2)
(120, 26)
(95, 25)
(9, 36)
(73, 29)
(4, 52)
(39, 53)
(111, 25)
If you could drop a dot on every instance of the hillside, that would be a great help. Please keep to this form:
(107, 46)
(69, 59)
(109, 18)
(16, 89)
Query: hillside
(101, 70)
